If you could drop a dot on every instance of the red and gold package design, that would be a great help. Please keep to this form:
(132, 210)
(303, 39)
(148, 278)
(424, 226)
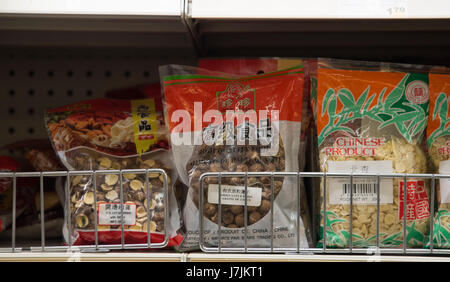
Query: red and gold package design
(224, 122)
(113, 134)
(259, 66)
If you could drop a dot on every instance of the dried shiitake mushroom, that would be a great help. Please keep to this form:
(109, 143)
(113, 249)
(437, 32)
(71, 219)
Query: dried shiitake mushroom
(218, 158)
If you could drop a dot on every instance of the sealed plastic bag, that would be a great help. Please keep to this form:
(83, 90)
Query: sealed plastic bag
(438, 140)
(24, 188)
(258, 66)
(33, 155)
(371, 118)
(105, 134)
(222, 122)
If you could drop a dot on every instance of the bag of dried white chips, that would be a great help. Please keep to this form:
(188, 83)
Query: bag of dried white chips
(372, 120)
(438, 140)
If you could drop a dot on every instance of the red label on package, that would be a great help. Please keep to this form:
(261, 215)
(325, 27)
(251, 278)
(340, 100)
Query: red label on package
(417, 206)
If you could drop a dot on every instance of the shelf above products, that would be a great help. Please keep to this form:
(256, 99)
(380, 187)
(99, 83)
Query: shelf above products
(320, 9)
(157, 25)
(407, 30)
(396, 30)
(93, 7)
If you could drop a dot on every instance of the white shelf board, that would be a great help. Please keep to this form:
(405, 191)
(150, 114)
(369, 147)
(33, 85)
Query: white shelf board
(93, 7)
(320, 9)
(90, 257)
(204, 257)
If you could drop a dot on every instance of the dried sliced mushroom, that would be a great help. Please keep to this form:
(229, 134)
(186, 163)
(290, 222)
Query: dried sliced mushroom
(152, 204)
(111, 179)
(136, 185)
(106, 187)
(129, 176)
(88, 198)
(111, 195)
(153, 226)
(141, 212)
(76, 179)
(82, 220)
(150, 162)
(104, 162)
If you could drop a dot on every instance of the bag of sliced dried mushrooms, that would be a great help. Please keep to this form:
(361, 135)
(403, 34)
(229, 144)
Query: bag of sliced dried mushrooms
(371, 118)
(110, 134)
(226, 123)
(438, 140)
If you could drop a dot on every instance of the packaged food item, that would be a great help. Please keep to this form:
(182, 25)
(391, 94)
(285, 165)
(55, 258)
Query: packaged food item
(33, 155)
(438, 141)
(371, 118)
(105, 134)
(258, 66)
(142, 91)
(25, 192)
(226, 123)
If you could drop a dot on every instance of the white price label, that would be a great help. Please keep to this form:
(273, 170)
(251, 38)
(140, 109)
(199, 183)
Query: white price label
(234, 195)
(373, 8)
(112, 214)
(444, 183)
(364, 190)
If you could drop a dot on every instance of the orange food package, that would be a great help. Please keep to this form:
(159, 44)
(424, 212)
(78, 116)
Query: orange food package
(438, 141)
(222, 122)
(371, 118)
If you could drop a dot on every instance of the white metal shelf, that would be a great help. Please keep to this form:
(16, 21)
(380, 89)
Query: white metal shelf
(320, 9)
(93, 7)
(158, 25)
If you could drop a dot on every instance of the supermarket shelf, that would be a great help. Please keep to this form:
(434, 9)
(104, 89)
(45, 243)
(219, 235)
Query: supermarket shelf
(325, 28)
(158, 25)
(90, 257)
(194, 257)
(202, 257)
(319, 9)
(93, 7)
(423, 41)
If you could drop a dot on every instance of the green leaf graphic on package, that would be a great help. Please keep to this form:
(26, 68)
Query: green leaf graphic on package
(441, 112)
(391, 109)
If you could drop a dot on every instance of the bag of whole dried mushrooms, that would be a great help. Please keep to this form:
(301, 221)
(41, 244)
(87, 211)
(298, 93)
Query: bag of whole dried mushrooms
(222, 122)
(111, 134)
(371, 118)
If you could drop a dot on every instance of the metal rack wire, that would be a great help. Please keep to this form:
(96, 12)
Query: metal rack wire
(220, 249)
(97, 246)
(351, 249)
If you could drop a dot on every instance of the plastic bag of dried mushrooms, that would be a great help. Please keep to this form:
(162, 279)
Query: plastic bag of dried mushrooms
(110, 134)
(226, 123)
(438, 140)
(371, 118)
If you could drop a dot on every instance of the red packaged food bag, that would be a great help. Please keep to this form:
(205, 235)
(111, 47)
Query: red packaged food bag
(224, 122)
(144, 91)
(25, 192)
(259, 66)
(105, 134)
